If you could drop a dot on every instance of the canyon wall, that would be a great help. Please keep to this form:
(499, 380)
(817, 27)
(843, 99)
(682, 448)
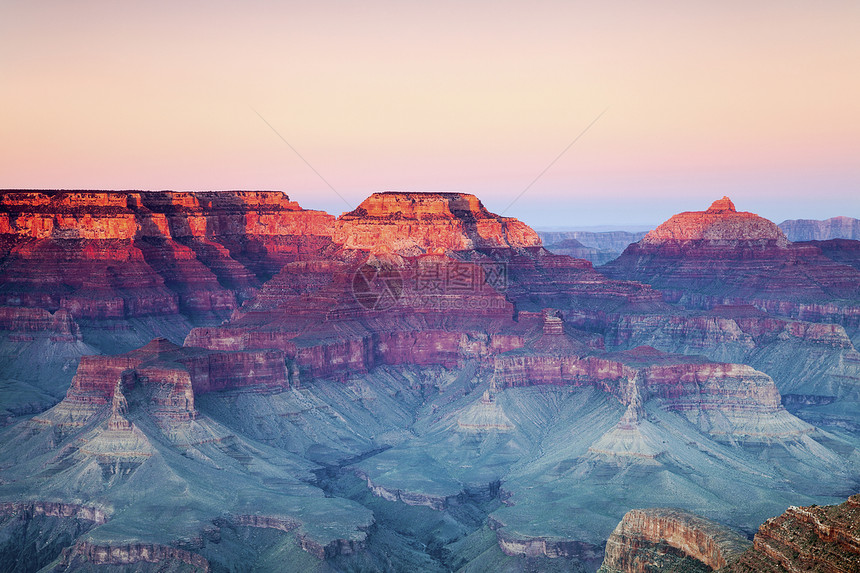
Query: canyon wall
(85, 553)
(115, 255)
(658, 539)
(721, 256)
(410, 223)
(815, 538)
(813, 230)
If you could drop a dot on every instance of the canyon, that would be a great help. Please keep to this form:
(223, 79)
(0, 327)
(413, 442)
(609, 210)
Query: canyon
(417, 384)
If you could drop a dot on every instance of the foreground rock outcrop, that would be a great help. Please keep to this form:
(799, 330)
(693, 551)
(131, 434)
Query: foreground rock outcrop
(816, 538)
(666, 539)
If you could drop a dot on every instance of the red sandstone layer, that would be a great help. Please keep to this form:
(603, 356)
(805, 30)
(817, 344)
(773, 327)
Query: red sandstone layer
(410, 223)
(646, 536)
(816, 538)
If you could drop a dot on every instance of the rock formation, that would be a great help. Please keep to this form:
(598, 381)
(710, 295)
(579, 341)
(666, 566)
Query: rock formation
(573, 248)
(192, 369)
(842, 251)
(84, 553)
(722, 256)
(816, 538)
(605, 241)
(729, 400)
(721, 224)
(665, 539)
(411, 223)
(112, 255)
(812, 230)
(416, 385)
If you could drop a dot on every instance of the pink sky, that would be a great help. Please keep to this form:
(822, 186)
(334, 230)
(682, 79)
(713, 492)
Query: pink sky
(755, 100)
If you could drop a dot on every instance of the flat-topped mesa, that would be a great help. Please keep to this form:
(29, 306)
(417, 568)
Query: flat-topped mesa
(126, 214)
(412, 223)
(721, 224)
(405, 205)
(116, 255)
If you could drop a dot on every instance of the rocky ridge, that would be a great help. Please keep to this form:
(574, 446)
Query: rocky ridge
(816, 538)
(410, 223)
(813, 230)
(724, 257)
(666, 539)
(437, 343)
(112, 255)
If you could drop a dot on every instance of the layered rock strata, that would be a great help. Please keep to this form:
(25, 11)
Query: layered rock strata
(171, 375)
(814, 230)
(115, 255)
(722, 256)
(552, 548)
(408, 313)
(28, 509)
(26, 323)
(85, 552)
(411, 223)
(659, 539)
(815, 538)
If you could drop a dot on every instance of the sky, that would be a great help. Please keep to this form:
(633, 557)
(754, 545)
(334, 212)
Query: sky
(561, 113)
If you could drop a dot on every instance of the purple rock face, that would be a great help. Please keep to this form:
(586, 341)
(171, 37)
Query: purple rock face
(415, 385)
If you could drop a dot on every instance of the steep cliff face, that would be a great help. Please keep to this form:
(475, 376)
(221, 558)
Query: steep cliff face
(721, 256)
(426, 310)
(802, 357)
(843, 251)
(813, 230)
(190, 369)
(411, 223)
(32, 534)
(112, 255)
(536, 278)
(86, 553)
(664, 539)
(815, 538)
(724, 400)
(25, 323)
